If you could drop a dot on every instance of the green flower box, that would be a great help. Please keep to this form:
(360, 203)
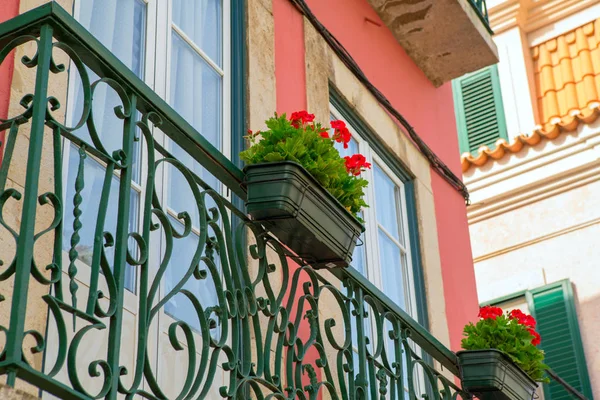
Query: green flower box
(295, 208)
(491, 375)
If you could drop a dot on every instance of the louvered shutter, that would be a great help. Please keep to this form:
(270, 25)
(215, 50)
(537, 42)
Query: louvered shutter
(479, 110)
(554, 309)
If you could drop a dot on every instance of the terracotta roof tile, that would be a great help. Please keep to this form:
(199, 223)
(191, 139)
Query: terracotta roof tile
(567, 81)
(485, 154)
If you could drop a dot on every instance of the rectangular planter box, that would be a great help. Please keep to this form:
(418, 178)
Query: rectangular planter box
(304, 216)
(491, 375)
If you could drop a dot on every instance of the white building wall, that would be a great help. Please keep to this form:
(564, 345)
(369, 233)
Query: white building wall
(535, 215)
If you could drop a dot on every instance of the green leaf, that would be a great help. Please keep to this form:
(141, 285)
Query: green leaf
(321, 159)
(271, 157)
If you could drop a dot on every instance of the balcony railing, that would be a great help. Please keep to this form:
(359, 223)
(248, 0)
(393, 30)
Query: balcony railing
(574, 393)
(481, 8)
(259, 322)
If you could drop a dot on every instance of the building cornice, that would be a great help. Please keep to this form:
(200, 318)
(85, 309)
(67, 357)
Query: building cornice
(539, 173)
(505, 16)
(504, 148)
(531, 15)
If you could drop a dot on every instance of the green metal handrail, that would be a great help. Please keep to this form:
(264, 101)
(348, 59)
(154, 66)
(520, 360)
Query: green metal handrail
(576, 394)
(480, 8)
(277, 330)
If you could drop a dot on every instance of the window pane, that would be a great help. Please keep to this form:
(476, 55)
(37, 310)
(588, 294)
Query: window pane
(196, 94)
(201, 21)
(179, 193)
(108, 126)
(120, 25)
(359, 257)
(386, 198)
(351, 150)
(391, 269)
(180, 307)
(94, 174)
(196, 91)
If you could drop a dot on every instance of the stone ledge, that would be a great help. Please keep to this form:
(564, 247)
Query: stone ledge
(445, 38)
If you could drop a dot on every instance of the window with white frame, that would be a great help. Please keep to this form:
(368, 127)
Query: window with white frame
(198, 80)
(121, 25)
(181, 49)
(385, 256)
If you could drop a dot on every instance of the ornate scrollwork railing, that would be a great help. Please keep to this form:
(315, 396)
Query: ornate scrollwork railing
(257, 322)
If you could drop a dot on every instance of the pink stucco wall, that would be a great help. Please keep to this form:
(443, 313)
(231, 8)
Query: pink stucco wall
(430, 110)
(8, 10)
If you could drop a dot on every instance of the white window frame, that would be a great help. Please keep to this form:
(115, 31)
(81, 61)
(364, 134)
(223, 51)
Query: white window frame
(163, 84)
(371, 240)
(373, 268)
(130, 298)
(156, 74)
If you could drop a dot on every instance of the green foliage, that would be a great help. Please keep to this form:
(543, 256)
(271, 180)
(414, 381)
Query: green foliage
(510, 337)
(315, 153)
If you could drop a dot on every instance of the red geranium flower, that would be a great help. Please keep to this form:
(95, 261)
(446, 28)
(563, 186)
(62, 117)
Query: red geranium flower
(523, 318)
(338, 124)
(341, 133)
(517, 314)
(356, 164)
(324, 133)
(300, 118)
(537, 339)
(489, 312)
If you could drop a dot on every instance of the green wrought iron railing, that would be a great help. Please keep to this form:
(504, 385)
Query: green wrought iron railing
(480, 7)
(259, 323)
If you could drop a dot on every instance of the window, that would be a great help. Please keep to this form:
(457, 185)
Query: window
(385, 256)
(197, 80)
(553, 307)
(388, 256)
(121, 27)
(180, 48)
(479, 111)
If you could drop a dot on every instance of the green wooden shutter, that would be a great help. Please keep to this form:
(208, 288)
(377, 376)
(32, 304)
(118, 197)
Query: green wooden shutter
(554, 309)
(479, 111)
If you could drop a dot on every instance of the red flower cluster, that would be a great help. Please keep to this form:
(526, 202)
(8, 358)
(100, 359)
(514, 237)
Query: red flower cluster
(523, 318)
(489, 312)
(529, 322)
(356, 164)
(300, 118)
(537, 339)
(341, 133)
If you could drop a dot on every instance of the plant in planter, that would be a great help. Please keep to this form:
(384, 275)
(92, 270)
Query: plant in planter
(303, 190)
(501, 360)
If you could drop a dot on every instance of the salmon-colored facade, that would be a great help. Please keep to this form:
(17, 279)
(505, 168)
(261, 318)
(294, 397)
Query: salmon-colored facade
(420, 288)
(430, 110)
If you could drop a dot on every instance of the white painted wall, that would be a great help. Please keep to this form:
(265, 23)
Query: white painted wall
(535, 215)
(535, 219)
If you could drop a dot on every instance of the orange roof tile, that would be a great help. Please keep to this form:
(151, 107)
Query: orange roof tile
(567, 80)
(485, 154)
